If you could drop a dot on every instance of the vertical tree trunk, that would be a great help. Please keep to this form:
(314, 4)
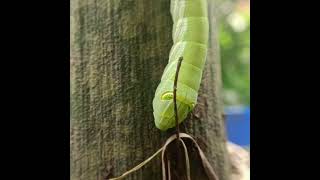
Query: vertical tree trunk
(119, 49)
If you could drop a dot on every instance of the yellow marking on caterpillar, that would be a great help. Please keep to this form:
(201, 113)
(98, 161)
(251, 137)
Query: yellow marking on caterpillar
(167, 96)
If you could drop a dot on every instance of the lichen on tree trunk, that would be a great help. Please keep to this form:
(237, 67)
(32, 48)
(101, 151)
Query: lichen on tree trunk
(119, 49)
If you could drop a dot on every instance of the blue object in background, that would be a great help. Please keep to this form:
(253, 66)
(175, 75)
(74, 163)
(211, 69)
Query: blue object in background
(238, 124)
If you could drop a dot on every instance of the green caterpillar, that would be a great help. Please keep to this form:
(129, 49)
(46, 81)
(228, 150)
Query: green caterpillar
(190, 38)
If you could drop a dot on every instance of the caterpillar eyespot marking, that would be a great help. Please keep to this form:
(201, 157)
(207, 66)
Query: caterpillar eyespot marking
(167, 96)
(190, 37)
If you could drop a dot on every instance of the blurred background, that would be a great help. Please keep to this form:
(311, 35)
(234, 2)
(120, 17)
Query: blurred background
(234, 35)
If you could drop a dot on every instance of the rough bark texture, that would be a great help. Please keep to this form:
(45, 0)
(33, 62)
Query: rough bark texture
(119, 49)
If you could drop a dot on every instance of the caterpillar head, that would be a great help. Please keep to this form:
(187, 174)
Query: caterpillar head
(163, 105)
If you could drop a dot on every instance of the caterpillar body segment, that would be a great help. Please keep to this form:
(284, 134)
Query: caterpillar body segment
(190, 37)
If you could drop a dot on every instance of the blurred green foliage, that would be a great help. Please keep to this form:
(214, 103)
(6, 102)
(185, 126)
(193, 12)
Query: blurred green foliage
(234, 35)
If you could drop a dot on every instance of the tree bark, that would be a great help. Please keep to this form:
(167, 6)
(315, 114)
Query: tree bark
(119, 49)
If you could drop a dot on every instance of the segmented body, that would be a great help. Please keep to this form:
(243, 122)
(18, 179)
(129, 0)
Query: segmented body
(190, 38)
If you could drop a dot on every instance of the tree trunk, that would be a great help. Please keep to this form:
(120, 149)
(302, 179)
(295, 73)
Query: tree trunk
(119, 49)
